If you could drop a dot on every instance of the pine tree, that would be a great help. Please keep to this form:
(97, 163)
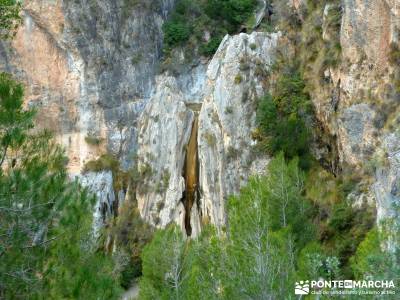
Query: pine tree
(45, 220)
(164, 266)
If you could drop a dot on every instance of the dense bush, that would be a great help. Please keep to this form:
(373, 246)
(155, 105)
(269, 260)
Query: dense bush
(9, 18)
(176, 31)
(370, 261)
(284, 117)
(106, 162)
(191, 20)
(131, 234)
(234, 12)
(47, 248)
(254, 257)
(341, 227)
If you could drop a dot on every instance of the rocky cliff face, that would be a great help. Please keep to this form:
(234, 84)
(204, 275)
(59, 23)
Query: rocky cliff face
(91, 70)
(359, 106)
(224, 109)
(236, 79)
(89, 66)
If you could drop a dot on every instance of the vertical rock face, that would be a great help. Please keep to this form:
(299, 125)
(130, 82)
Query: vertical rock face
(234, 79)
(164, 131)
(101, 185)
(360, 105)
(89, 67)
(227, 118)
(368, 29)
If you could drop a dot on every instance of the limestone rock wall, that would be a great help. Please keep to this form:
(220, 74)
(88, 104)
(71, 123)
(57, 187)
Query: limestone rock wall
(89, 67)
(101, 185)
(91, 70)
(226, 117)
(359, 106)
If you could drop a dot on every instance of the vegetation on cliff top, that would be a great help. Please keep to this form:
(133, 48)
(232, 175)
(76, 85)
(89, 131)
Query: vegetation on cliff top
(200, 25)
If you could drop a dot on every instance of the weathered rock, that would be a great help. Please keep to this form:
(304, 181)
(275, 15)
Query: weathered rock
(227, 118)
(164, 133)
(225, 123)
(101, 185)
(88, 67)
(366, 76)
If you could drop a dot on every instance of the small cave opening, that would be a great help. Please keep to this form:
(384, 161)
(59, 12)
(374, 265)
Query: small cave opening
(191, 176)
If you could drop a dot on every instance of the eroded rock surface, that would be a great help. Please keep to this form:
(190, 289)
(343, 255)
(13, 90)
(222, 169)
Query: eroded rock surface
(227, 118)
(234, 80)
(90, 68)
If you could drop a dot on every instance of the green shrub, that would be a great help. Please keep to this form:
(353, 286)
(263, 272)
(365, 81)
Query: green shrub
(211, 46)
(345, 228)
(105, 162)
(191, 19)
(145, 170)
(283, 116)
(176, 31)
(235, 12)
(136, 58)
(229, 110)
(10, 18)
(394, 54)
(93, 140)
(131, 234)
(163, 184)
(238, 79)
(232, 153)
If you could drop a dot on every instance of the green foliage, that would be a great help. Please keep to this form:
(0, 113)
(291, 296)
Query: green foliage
(341, 227)
(283, 117)
(287, 206)
(163, 265)
(9, 18)
(235, 12)
(131, 234)
(106, 162)
(267, 222)
(368, 256)
(238, 79)
(45, 220)
(176, 31)
(254, 258)
(14, 120)
(314, 263)
(394, 54)
(210, 47)
(371, 262)
(162, 185)
(74, 261)
(191, 20)
(93, 140)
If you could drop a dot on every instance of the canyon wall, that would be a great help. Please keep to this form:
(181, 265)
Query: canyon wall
(359, 106)
(91, 68)
(225, 110)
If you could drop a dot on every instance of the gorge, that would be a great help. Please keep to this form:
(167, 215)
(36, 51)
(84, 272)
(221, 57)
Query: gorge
(175, 132)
